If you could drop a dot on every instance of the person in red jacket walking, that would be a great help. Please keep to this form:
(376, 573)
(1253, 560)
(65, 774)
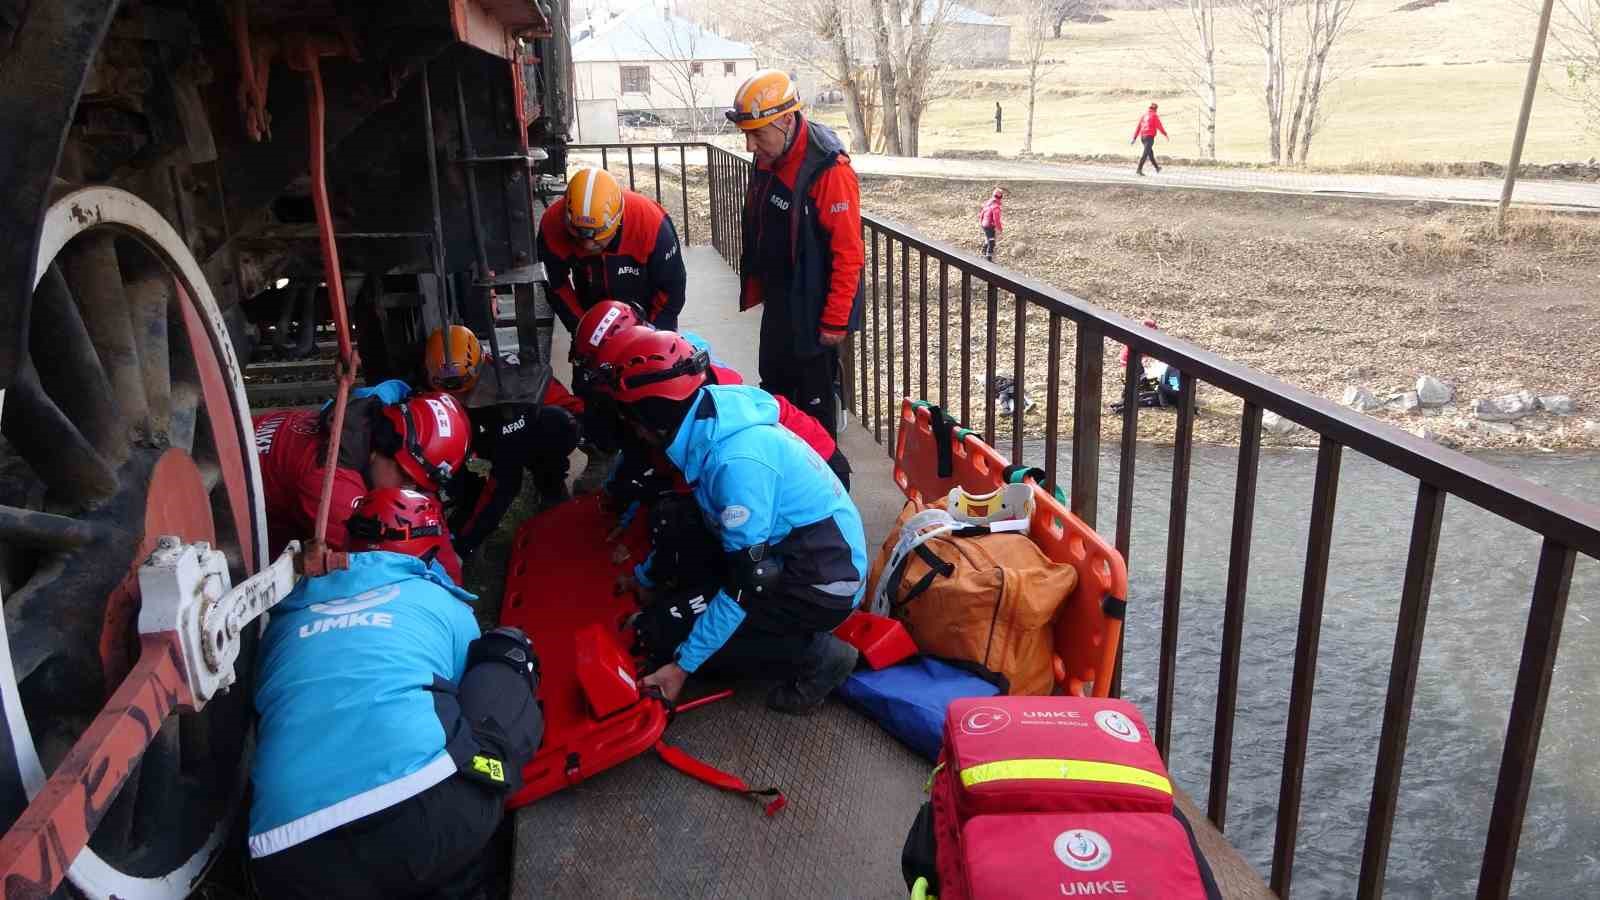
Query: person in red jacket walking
(989, 221)
(1149, 124)
(802, 253)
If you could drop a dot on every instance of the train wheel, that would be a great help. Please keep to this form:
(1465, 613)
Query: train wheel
(127, 420)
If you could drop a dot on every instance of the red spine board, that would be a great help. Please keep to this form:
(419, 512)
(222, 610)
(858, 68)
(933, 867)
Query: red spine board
(560, 584)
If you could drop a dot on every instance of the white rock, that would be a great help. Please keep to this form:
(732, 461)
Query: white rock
(1591, 430)
(1360, 399)
(1559, 404)
(1272, 423)
(1508, 408)
(1433, 392)
(1498, 427)
(1405, 401)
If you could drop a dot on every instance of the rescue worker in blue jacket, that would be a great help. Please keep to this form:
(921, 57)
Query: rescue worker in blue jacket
(795, 548)
(390, 732)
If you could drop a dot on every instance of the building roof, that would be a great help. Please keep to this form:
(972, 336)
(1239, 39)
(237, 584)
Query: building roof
(644, 34)
(957, 14)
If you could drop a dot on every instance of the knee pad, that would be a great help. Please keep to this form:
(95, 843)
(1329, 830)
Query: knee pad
(508, 646)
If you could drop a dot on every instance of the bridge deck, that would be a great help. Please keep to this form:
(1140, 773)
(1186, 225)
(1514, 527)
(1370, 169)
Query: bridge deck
(643, 829)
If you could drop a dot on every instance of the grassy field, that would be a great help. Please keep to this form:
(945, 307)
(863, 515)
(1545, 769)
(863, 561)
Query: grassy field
(1436, 84)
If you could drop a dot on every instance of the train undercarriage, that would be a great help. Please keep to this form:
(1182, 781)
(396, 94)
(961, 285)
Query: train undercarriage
(168, 203)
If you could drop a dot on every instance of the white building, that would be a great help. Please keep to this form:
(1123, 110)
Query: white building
(982, 39)
(660, 66)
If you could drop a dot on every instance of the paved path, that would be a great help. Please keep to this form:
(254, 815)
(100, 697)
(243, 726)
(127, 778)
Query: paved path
(1577, 195)
(1570, 195)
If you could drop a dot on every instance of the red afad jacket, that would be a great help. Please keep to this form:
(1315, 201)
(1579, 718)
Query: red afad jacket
(803, 424)
(291, 447)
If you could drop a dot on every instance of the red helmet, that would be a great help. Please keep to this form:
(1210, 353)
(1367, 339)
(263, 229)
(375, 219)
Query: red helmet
(645, 364)
(434, 435)
(603, 321)
(400, 521)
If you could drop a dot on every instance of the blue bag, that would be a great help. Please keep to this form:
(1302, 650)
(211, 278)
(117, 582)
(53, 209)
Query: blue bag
(909, 699)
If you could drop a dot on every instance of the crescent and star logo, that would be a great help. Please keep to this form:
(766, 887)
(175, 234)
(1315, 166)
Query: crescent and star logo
(1082, 849)
(1117, 725)
(985, 720)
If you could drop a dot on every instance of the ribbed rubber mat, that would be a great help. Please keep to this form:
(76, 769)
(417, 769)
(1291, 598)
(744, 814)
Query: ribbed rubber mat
(646, 830)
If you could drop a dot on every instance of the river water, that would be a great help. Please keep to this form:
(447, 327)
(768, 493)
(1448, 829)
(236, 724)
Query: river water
(1475, 623)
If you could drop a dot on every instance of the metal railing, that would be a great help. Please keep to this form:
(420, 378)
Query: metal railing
(874, 368)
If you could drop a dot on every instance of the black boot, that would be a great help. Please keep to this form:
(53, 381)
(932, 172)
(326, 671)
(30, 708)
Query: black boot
(829, 661)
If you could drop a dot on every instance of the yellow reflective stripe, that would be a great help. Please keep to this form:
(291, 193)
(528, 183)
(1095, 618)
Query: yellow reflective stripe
(1063, 770)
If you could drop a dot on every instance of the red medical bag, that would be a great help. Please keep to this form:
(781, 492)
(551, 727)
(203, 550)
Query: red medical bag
(1052, 754)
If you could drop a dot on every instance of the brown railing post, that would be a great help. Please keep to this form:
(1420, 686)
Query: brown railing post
(683, 187)
(872, 364)
(892, 413)
(630, 168)
(1019, 375)
(1125, 471)
(1177, 521)
(1052, 400)
(905, 324)
(1539, 644)
(966, 348)
(655, 151)
(944, 333)
(1244, 513)
(1318, 545)
(922, 320)
(990, 342)
(714, 187)
(1403, 665)
(1086, 402)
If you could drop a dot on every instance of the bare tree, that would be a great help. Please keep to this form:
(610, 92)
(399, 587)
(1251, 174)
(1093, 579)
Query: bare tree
(820, 36)
(885, 58)
(1038, 17)
(1575, 30)
(1325, 21)
(1263, 24)
(1064, 10)
(1189, 58)
(676, 43)
(925, 55)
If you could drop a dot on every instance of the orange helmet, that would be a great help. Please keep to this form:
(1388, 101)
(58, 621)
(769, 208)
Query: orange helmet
(453, 358)
(764, 97)
(603, 321)
(594, 205)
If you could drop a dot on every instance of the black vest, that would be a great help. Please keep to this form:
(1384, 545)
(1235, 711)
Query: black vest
(787, 253)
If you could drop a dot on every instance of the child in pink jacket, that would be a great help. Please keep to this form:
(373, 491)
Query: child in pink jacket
(989, 221)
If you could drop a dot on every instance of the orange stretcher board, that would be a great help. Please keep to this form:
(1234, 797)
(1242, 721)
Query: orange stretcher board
(1089, 627)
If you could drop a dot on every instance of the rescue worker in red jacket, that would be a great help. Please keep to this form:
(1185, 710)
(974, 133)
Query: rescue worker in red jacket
(514, 438)
(601, 242)
(802, 244)
(1149, 125)
(418, 443)
(606, 323)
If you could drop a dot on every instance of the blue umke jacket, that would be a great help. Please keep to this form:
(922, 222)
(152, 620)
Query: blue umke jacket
(356, 696)
(756, 482)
